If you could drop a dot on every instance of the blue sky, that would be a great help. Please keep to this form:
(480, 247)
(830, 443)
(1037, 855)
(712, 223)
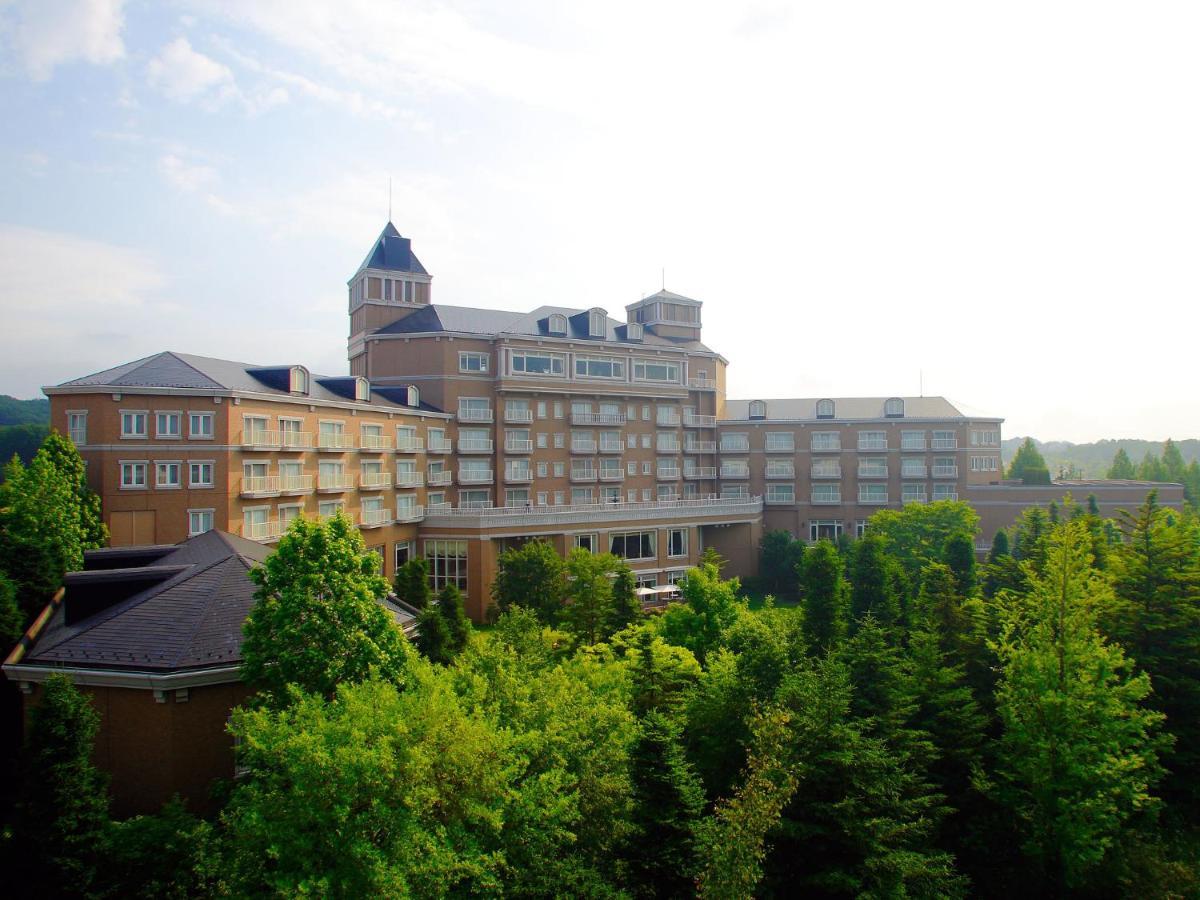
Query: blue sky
(1002, 198)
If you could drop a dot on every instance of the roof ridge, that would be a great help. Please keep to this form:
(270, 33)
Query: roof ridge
(175, 355)
(185, 646)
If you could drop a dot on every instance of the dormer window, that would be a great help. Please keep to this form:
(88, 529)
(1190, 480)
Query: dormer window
(414, 395)
(362, 389)
(894, 408)
(298, 380)
(824, 409)
(758, 409)
(633, 332)
(557, 324)
(597, 323)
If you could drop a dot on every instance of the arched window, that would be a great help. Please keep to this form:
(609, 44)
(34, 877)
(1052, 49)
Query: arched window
(558, 324)
(362, 389)
(633, 331)
(414, 395)
(894, 408)
(597, 323)
(824, 409)
(298, 382)
(758, 409)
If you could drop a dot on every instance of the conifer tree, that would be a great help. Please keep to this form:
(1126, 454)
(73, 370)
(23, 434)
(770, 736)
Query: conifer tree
(1151, 468)
(826, 606)
(873, 581)
(412, 583)
(1031, 532)
(433, 635)
(1028, 465)
(779, 556)
(999, 546)
(61, 453)
(1122, 468)
(626, 606)
(458, 626)
(959, 555)
(1172, 462)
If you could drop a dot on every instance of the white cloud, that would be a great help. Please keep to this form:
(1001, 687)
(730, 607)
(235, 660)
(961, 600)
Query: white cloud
(185, 176)
(45, 34)
(183, 75)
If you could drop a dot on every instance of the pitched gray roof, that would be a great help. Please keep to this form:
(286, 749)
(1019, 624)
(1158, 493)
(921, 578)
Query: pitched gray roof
(801, 409)
(492, 322)
(393, 253)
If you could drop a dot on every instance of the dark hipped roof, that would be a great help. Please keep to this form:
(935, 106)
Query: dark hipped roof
(190, 621)
(171, 369)
(393, 253)
(491, 322)
(804, 408)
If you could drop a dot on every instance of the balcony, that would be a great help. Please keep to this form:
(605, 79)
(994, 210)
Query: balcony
(912, 444)
(872, 499)
(295, 484)
(945, 471)
(779, 448)
(295, 440)
(413, 513)
(872, 444)
(258, 439)
(518, 476)
(442, 446)
(700, 447)
(264, 532)
(612, 474)
(735, 493)
(376, 442)
(668, 474)
(828, 472)
(414, 479)
(475, 415)
(912, 498)
(826, 447)
(826, 498)
(328, 484)
(668, 420)
(951, 495)
(735, 472)
(582, 418)
(944, 443)
(438, 479)
(410, 445)
(780, 499)
(732, 509)
(474, 476)
(260, 486)
(691, 420)
(913, 471)
(702, 384)
(474, 445)
(735, 446)
(584, 475)
(375, 518)
(872, 472)
(693, 472)
(518, 416)
(612, 447)
(582, 446)
(668, 446)
(376, 481)
(334, 441)
(789, 472)
(513, 446)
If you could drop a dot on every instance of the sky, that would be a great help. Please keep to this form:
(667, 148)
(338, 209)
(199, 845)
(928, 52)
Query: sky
(993, 202)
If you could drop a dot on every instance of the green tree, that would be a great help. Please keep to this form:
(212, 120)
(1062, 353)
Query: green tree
(779, 555)
(999, 546)
(412, 583)
(12, 620)
(709, 606)
(1078, 755)
(1028, 465)
(873, 581)
(1031, 532)
(959, 555)
(1191, 483)
(626, 606)
(1156, 619)
(1172, 462)
(65, 458)
(826, 605)
(1151, 468)
(667, 802)
(171, 855)
(433, 635)
(458, 626)
(60, 824)
(317, 620)
(917, 534)
(590, 593)
(710, 557)
(532, 576)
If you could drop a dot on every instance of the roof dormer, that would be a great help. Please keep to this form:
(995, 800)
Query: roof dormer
(556, 324)
(667, 315)
(298, 380)
(597, 323)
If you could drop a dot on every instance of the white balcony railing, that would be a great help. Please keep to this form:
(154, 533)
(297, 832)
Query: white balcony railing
(691, 420)
(944, 443)
(779, 499)
(376, 442)
(474, 476)
(582, 446)
(256, 437)
(411, 513)
(262, 531)
(779, 447)
(376, 480)
(913, 471)
(818, 472)
(612, 447)
(518, 416)
(700, 472)
(295, 440)
(582, 418)
(951, 495)
(728, 446)
(735, 472)
(912, 498)
(668, 420)
(331, 483)
(474, 445)
(443, 446)
(440, 479)
(912, 443)
(789, 472)
(825, 446)
(515, 446)
(872, 444)
(260, 485)
(870, 498)
(667, 474)
(584, 474)
(295, 484)
(518, 476)
(825, 499)
(872, 471)
(334, 441)
(702, 384)
(474, 415)
(710, 507)
(668, 446)
(945, 471)
(700, 447)
(612, 474)
(414, 479)
(373, 518)
(410, 445)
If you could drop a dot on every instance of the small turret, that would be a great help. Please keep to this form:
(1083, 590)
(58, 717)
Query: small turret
(390, 284)
(667, 315)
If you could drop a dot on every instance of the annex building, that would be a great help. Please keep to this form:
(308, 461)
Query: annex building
(459, 432)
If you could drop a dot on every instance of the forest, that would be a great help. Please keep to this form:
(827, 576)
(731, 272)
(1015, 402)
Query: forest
(888, 717)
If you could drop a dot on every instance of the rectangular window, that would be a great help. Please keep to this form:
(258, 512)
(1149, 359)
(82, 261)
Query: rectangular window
(872, 440)
(542, 497)
(872, 493)
(599, 367)
(474, 409)
(912, 467)
(516, 497)
(558, 409)
(734, 492)
(541, 409)
(476, 499)
(447, 564)
(633, 544)
(133, 424)
(653, 370)
(912, 440)
(826, 440)
(327, 509)
(781, 493)
(559, 440)
(133, 475)
(167, 474)
(826, 493)
(781, 468)
(200, 474)
(824, 530)
(581, 495)
(912, 493)
(559, 497)
(780, 442)
(199, 521)
(541, 440)
(677, 542)
(472, 362)
(985, 438)
(826, 467)
(403, 553)
(532, 363)
(77, 428)
(200, 426)
(734, 442)
(646, 441)
(541, 470)
(945, 440)
(586, 542)
(985, 464)
(872, 467)
(645, 494)
(645, 413)
(944, 492)
(631, 468)
(559, 469)
(167, 425)
(610, 495)
(666, 416)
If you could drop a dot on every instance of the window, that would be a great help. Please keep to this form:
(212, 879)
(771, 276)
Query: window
(599, 367)
(436, 500)
(541, 409)
(610, 469)
(610, 495)
(646, 441)
(758, 409)
(559, 440)
(559, 469)
(475, 499)
(530, 362)
(406, 439)
(447, 564)
(372, 437)
(872, 440)
(581, 495)
(944, 492)
(782, 468)
(517, 410)
(475, 409)
(826, 493)
(872, 467)
(167, 474)
(734, 443)
(780, 442)
(781, 493)
(77, 428)
(677, 542)
(733, 492)
(557, 324)
(558, 409)
(985, 463)
(645, 494)
(735, 468)
(200, 474)
(912, 493)
(200, 426)
(651, 370)
(542, 439)
(645, 413)
(558, 498)
(894, 408)
(632, 468)
(824, 530)
(414, 395)
(826, 467)
(199, 521)
(646, 468)
(597, 323)
(516, 497)
(133, 475)
(912, 467)
(474, 439)
(298, 380)
(985, 438)
(541, 498)
(291, 476)
(633, 331)
(133, 424)
(945, 440)
(826, 440)
(666, 416)
(666, 492)
(586, 542)
(912, 440)
(403, 553)
(872, 493)
(472, 362)
(633, 545)
(860, 527)
(825, 409)
(517, 470)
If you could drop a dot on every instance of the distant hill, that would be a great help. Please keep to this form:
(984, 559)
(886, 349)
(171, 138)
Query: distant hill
(1094, 459)
(24, 412)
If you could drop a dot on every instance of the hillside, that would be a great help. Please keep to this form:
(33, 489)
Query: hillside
(24, 412)
(1094, 459)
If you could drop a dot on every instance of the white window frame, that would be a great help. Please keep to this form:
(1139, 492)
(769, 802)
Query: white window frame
(473, 361)
(134, 465)
(682, 533)
(145, 420)
(77, 426)
(556, 361)
(159, 466)
(193, 418)
(212, 472)
(780, 442)
(210, 513)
